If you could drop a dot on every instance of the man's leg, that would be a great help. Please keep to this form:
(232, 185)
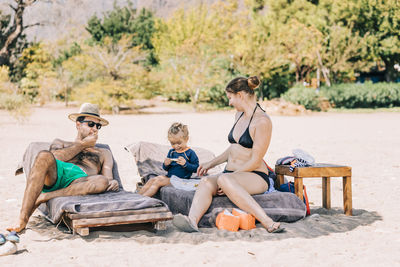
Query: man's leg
(93, 184)
(43, 172)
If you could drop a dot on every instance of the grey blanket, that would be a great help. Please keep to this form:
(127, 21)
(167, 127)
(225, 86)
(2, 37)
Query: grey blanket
(108, 201)
(284, 207)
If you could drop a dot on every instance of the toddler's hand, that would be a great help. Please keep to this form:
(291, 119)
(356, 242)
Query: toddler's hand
(167, 161)
(181, 161)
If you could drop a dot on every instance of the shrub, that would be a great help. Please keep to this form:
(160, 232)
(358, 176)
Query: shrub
(366, 95)
(308, 97)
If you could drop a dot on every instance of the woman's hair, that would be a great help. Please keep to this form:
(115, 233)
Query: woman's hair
(177, 127)
(243, 84)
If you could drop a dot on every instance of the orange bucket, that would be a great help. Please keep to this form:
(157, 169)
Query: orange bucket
(247, 221)
(226, 221)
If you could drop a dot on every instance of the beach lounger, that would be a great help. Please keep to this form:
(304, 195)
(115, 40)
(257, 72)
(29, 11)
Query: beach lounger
(80, 213)
(148, 157)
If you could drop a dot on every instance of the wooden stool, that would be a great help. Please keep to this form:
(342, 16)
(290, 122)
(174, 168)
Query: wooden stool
(326, 171)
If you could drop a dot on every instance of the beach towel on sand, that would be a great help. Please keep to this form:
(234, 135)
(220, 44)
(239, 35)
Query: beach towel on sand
(108, 201)
(284, 207)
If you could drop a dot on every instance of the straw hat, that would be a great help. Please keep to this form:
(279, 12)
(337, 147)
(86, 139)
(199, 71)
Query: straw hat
(88, 110)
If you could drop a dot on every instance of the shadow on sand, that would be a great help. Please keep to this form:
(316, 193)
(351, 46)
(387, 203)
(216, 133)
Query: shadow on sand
(321, 222)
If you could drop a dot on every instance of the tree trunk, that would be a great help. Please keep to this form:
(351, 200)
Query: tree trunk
(16, 30)
(324, 70)
(195, 99)
(390, 73)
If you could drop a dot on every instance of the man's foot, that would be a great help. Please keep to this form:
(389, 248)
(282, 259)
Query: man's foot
(184, 224)
(17, 228)
(275, 228)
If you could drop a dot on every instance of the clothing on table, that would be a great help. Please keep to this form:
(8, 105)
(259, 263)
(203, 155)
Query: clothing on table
(245, 140)
(66, 174)
(298, 163)
(185, 171)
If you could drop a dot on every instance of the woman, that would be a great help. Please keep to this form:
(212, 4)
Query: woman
(245, 173)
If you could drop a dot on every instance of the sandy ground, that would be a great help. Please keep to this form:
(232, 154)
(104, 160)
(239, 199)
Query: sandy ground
(369, 143)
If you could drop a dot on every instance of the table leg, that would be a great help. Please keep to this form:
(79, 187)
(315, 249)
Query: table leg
(347, 196)
(326, 192)
(279, 179)
(298, 187)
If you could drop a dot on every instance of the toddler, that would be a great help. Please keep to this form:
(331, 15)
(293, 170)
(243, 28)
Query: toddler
(181, 161)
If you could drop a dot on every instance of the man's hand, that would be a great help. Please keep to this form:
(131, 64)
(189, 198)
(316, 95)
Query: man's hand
(181, 161)
(167, 161)
(113, 185)
(90, 140)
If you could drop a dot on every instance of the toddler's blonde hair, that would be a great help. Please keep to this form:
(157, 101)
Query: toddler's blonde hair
(177, 127)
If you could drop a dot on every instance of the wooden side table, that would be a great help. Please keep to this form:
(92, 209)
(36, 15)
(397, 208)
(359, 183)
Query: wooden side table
(324, 171)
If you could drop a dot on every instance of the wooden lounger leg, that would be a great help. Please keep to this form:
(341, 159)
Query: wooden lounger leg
(279, 179)
(160, 225)
(298, 187)
(82, 231)
(347, 196)
(326, 192)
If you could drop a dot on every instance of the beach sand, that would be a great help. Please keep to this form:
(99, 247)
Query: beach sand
(369, 143)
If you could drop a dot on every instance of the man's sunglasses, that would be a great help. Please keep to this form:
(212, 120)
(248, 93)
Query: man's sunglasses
(92, 123)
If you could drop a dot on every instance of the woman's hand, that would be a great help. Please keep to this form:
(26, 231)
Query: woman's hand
(203, 168)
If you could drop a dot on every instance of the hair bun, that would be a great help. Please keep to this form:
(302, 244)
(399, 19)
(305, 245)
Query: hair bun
(253, 82)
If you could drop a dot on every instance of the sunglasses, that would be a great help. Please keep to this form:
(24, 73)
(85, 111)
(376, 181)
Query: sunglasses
(92, 123)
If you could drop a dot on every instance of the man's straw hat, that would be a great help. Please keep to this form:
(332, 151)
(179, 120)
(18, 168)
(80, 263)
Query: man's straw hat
(88, 110)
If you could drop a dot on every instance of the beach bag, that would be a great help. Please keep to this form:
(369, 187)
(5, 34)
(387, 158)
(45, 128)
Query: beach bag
(289, 187)
(227, 221)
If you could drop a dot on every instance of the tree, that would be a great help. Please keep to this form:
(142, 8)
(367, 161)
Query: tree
(379, 22)
(124, 21)
(194, 48)
(11, 32)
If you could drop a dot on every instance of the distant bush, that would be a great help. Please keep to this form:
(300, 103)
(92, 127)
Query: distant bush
(14, 104)
(366, 95)
(305, 96)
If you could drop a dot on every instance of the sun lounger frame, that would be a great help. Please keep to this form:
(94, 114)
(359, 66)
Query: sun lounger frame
(80, 223)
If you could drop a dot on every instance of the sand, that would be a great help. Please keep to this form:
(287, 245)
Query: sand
(369, 143)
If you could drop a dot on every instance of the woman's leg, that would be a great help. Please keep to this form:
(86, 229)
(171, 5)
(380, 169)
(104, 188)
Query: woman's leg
(152, 189)
(239, 187)
(202, 198)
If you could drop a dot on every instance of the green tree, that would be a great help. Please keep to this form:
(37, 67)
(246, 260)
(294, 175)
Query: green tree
(194, 47)
(379, 22)
(122, 21)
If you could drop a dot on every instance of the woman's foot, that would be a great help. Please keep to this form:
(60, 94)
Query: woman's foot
(184, 224)
(275, 228)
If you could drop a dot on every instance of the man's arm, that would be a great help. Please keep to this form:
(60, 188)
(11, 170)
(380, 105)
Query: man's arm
(106, 170)
(65, 151)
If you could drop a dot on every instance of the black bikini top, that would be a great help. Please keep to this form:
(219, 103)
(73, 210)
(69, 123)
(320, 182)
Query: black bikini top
(245, 140)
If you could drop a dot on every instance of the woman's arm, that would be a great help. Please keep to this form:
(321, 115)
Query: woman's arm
(261, 141)
(203, 168)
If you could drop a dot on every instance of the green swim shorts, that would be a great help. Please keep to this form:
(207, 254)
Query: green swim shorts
(66, 173)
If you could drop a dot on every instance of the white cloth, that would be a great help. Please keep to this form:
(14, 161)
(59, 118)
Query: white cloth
(184, 184)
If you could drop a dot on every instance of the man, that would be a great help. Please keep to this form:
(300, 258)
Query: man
(70, 168)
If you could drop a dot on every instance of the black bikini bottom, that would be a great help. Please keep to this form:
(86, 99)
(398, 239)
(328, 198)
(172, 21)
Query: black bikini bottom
(262, 174)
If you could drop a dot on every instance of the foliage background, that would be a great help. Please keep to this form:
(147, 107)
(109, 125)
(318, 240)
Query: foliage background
(189, 56)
